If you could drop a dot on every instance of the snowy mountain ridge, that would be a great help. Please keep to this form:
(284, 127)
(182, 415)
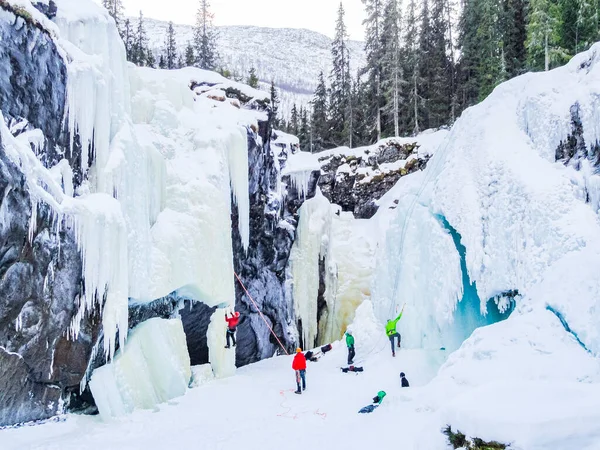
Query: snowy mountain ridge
(292, 58)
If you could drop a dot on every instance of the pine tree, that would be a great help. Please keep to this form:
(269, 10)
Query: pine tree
(128, 39)
(304, 131)
(139, 53)
(294, 127)
(514, 32)
(162, 63)
(426, 51)
(412, 107)
(392, 73)
(579, 24)
(190, 58)
(205, 38)
(170, 51)
(543, 34)
(150, 59)
(274, 105)
(341, 85)
(361, 135)
(373, 25)
(319, 119)
(492, 65)
(252, 80)
(115, 10)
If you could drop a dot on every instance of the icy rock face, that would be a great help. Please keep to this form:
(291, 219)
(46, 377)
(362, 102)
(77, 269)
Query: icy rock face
(274, 205)
(355, 181)
(40, 285)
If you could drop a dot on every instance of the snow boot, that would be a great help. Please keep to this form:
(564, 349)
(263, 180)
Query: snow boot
(227, 346)
(297, 392)
(394, 354)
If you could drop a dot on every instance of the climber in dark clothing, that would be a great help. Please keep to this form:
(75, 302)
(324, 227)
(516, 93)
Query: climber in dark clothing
(404, 380)
(232, 323)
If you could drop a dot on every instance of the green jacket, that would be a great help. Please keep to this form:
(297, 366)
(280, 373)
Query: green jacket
(380, 394)
(390, 327)
(349, 340)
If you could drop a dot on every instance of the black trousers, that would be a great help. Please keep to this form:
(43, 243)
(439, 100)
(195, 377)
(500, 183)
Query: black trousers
(230, 333)
(351, 354)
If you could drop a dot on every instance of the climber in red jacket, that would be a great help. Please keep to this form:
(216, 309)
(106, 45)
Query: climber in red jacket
(299, 365)
(232, 323)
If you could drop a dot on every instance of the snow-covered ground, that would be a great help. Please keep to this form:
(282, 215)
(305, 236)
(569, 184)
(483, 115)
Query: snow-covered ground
(257, 408)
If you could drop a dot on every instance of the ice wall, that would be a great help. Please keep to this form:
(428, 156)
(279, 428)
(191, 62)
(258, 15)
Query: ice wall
(152, 368)
(520, 216)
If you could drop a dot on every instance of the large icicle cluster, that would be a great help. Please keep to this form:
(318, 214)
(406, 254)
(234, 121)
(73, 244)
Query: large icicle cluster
(152, 162)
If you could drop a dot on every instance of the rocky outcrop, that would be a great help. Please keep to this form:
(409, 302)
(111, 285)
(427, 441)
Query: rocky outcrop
(356, 179)
(40, 274)
(262, 269)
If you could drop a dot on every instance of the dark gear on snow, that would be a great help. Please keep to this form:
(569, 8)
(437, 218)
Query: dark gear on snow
(352, 369)
(326, 348)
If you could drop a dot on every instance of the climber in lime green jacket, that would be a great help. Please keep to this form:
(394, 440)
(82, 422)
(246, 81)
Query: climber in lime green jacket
(390, 330)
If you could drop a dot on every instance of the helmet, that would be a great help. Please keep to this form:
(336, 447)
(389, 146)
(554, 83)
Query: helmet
(298, 350)
(237, 314)
(349, 331)
(402, 375)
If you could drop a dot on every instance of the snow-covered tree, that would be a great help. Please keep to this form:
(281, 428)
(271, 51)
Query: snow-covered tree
(274, 105)
(139, 52)
(304, 130)
(205, 38)
(412, 108)
(190, 58)
(252, 80)
(392, 73)
(294, 121)
(170, 51)
(128, 39)
(319, 119)
(543, 34)
(341, 84)
(115, 9)
(373, 26)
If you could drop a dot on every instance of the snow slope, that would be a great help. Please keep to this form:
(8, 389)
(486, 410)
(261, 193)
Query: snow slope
(292, 58)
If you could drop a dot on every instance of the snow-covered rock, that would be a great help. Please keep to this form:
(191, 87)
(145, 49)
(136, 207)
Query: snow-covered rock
(357, 178)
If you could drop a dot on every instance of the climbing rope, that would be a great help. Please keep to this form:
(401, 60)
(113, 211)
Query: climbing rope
(294, 416)
(260, 312)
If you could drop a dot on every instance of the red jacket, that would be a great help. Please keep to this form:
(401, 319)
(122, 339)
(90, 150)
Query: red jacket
(299, 362)
(232, 321)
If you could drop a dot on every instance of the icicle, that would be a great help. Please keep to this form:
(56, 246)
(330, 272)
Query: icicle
(238, 173)
(299, 181)
(102, 239)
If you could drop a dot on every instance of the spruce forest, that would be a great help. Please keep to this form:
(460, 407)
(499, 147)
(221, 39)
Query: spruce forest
(427, 61)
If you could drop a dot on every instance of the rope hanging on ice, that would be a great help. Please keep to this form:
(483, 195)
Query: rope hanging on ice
(260, 312)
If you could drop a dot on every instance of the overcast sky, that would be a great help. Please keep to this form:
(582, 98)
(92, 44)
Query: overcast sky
(317, 15)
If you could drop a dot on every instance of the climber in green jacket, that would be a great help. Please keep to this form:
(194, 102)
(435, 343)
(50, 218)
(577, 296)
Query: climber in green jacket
(350, 345)
(390, 330)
